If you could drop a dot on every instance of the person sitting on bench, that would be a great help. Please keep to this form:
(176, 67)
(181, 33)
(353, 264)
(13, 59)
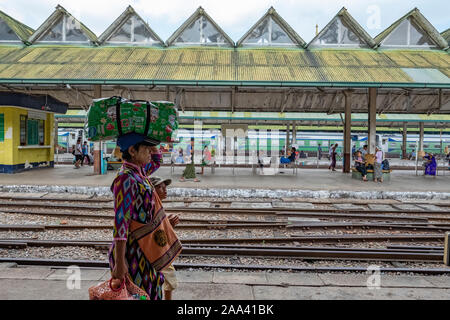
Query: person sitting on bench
(289, 159)
(360, 165)
(430, 164)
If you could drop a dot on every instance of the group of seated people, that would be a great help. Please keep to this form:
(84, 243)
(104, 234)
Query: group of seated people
(290, 158)
(369, 161)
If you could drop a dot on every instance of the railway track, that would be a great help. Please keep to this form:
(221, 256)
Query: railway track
(308, 253)
(422, 226)
(55, 263)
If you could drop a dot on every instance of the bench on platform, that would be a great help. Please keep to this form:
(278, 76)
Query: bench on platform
(357, 175)
(114, 165)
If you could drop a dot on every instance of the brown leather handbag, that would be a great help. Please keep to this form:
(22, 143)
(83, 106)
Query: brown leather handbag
(157, 239)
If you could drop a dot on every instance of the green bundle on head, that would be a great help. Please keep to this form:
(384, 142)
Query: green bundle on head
(110, 117)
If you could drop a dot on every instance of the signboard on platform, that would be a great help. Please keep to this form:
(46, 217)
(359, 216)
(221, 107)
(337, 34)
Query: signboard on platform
(37, 115)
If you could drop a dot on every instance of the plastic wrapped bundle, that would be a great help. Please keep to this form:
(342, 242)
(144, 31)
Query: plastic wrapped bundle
(111, 117)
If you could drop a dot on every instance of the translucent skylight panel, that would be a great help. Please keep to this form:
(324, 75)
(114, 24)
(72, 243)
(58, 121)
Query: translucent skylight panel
(133, 30)
(417, 37)
(55, 33)
(408, 33)
(6, 33)
(399, 36)
(67, 29)
(266, 33)
(141, 32)
(74, 32)
(201, 31)
(279, 36)
(331, 35)
(260, 34)
(339, 33)
(123, 34)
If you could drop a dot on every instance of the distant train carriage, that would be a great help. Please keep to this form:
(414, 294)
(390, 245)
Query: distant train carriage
(266, 140)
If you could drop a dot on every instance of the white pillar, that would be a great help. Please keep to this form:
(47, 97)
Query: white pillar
(347, 131)
(421, 136)
(372, 134)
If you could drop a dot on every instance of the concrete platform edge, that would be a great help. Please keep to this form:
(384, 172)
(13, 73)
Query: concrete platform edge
(240, 193)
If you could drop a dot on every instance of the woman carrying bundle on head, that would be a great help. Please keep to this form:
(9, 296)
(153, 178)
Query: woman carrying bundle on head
(137, 205)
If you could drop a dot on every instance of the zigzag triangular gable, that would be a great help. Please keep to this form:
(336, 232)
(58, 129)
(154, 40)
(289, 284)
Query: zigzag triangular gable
(271, 30)
(128, 29)
(200, 29)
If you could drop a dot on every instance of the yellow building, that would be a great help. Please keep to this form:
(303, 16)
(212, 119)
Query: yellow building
(27, 132)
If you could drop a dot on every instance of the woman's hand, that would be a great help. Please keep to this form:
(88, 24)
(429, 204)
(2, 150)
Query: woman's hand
(173, 219)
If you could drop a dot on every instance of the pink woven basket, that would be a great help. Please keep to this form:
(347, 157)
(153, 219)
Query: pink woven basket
(127, 291)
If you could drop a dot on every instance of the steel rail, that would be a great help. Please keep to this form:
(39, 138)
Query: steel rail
(23, 243)
(90, 199)
(255, 211)
(325, 239)
(367, 226)
(105, 265)
(311, 254)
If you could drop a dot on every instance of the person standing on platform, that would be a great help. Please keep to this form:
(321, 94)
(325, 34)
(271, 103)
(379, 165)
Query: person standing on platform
(189, 171)
(85, 153)
(78, 154)
(377, 172)
(319, 151)
(332, 154)
(206, 160)
(134, 201)
(170, 279)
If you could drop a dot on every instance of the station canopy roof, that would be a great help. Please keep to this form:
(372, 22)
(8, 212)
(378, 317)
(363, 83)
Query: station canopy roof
(200, 67)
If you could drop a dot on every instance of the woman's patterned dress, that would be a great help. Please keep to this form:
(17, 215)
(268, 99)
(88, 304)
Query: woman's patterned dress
(134, 200)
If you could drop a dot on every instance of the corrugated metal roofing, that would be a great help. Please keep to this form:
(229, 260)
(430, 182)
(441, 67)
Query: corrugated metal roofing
(71, 63)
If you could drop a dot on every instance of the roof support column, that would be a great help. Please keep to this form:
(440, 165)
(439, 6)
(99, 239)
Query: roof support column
(294, 134)
(405, 133)
(347, 131)
(97, 145)
(286, 145)
(55, 140)
(372, 134)
(421, 136)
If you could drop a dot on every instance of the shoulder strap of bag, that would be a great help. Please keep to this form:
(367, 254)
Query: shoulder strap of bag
(147, 121)
(119, 122)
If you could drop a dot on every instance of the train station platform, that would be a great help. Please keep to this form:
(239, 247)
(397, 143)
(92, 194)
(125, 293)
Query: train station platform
(240, 182)
(45, 283)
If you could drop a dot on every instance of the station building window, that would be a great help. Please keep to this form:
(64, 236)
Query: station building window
(32, 131)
